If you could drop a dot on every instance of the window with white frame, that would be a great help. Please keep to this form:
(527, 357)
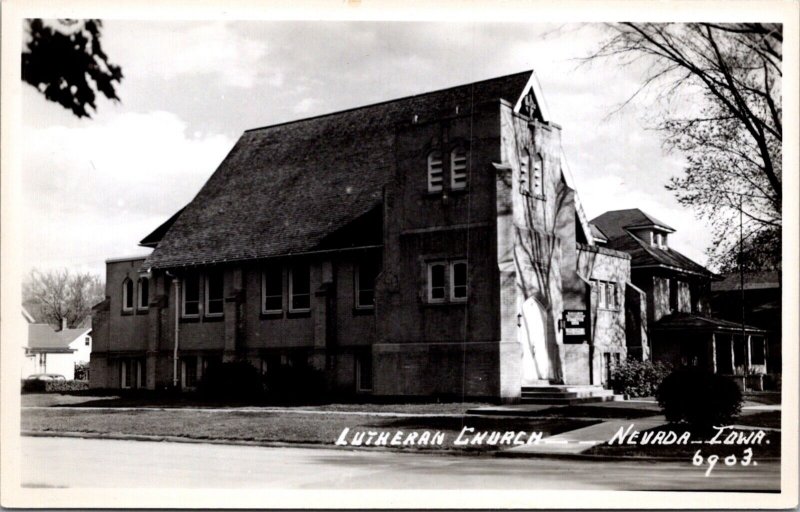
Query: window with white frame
(458, 168)
(190, 303)
(435, 172)
(601, 294)
(537, 177)
(447, 281)
(606, 295)
(214, 294)
(437, 281)
(127, 295)
(299, 288)
(272, 289)
(144, 293)
(365, 274)
(458, 280)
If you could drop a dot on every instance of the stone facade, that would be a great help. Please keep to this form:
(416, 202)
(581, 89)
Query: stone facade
(513, 225)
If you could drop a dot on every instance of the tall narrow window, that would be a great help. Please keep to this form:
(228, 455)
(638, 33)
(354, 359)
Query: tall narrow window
(144, 293)
(537, 176)
(299, 288)
(437, 287)
(601, 287)
(214, 294)
(458, 168)
(272, 290)
(611, 295)
(191, 295)
(458, 280)
(364, 372)
(365, 284)
(127, 295)
(435, 171)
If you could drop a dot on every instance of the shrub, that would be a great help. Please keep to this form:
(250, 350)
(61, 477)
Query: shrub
(82, 371)
(65, 386)
(231, 380)
(299, 383)
(699, 398)
(33, 386)
(638, 378)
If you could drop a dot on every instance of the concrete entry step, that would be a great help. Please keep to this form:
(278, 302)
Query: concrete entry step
(553, 394)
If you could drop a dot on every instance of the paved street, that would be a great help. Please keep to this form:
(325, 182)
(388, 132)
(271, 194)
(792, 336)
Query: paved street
(70, 462)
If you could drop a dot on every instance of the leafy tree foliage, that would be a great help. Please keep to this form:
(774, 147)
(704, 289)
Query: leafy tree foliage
(61, 294)
(64, 60)
(732, 131)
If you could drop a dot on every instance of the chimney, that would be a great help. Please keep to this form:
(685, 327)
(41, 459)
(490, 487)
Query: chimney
(63, 323)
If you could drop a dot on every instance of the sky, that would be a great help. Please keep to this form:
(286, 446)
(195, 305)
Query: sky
(92, 188)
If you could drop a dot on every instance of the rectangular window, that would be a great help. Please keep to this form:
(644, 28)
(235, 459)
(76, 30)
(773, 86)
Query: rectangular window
(125, 373)
(144, 293)
(458, 168)
(435, 172)
(437, 287)
(611, 295)
(272, 290)
(189, 372)
(191, 295)
(601, 293)
(364, 372)
(458, 280)
(537, 185)
(299, 288)
(214, 294)
(127, 295)
(365, 284)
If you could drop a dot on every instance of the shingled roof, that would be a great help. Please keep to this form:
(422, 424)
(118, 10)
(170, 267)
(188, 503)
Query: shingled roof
(283, 189)
(43, 338)
(616, 224)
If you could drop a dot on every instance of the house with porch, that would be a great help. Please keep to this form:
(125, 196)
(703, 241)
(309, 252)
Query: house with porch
(433, 245)
(681, 327)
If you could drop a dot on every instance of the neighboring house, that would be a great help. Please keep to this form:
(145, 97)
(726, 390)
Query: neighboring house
(432, 245)
(680, 323)
(56, 352)
(762, 306)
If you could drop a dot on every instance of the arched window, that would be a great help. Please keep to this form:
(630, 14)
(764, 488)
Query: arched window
(435, 171)
(127, 295)
(144, 293)
(537, 177)
(458, 168)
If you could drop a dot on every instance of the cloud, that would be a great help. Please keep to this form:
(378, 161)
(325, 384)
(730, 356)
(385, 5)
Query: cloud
(305, 105)
(93, 191)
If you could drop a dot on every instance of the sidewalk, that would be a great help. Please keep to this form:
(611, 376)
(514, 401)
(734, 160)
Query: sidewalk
(580, 440)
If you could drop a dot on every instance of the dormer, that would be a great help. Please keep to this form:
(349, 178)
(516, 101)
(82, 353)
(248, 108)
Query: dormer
(654, 234)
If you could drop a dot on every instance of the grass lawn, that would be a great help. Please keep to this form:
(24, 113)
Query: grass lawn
(263, 426)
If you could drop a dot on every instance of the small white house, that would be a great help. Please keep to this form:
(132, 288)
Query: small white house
(55, 352)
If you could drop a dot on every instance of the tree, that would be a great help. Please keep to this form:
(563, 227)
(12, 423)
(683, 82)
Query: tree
(56, 295)
(65, 61)
(732, 131)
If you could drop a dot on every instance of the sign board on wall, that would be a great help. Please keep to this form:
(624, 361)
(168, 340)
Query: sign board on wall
(576, 325)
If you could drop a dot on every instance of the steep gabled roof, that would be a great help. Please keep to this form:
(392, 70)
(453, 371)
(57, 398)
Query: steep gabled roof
(614, 223)
(42, 338)
(283, 189)
(615, 226)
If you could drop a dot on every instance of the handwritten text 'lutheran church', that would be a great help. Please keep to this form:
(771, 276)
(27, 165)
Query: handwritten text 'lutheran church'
(432, 245)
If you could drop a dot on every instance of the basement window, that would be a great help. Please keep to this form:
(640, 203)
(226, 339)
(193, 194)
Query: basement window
(299, 289)
(214, 294)
(435, 172)
(458, 168)
(364, 372)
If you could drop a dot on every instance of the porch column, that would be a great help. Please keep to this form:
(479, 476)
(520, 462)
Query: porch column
(713, 358)
(747, 354)
(733, 354)
(764, 351)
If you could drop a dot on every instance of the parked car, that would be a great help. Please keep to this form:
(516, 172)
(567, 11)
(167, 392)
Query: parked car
(46, 377)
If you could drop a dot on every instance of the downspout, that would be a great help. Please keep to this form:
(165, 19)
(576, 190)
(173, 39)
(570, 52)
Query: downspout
(177, 287)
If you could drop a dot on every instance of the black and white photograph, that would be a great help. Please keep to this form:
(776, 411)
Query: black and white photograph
(351, 254)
